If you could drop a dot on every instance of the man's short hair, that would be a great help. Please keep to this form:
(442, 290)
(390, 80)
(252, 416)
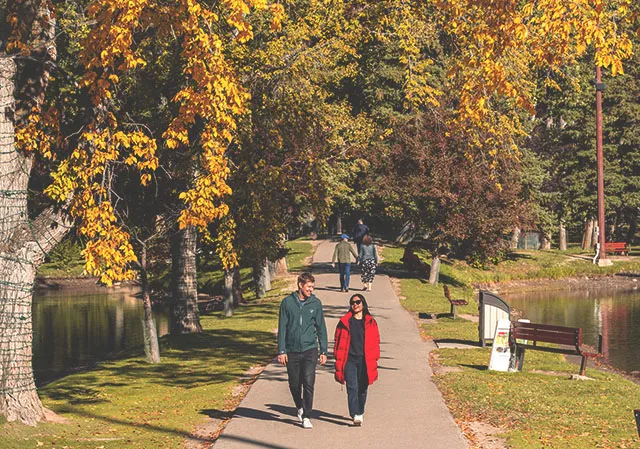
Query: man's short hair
(306, 277)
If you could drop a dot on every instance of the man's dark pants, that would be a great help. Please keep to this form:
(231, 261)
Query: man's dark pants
(301, 369)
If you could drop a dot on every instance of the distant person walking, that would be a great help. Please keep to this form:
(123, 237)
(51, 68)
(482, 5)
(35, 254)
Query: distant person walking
(359, 231)
(357, 351)
(342, 253)
(368, 256)
(301, 327)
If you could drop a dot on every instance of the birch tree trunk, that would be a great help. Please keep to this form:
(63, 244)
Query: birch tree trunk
(563, 237)
(434, 272)
(587, 240)
(228, 293)
(515, 236)
(339, 224)
(186, 318)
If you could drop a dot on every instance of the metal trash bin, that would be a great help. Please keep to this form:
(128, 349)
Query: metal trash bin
(491, 309)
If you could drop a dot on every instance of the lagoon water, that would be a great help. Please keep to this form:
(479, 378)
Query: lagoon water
(612, 313)
(74, 329)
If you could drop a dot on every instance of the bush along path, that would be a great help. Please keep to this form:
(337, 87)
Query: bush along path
(404, 408)
(537, 408)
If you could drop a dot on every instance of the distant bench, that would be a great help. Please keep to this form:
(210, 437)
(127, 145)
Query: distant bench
(453, 302)
(617, 248)
(545, 333)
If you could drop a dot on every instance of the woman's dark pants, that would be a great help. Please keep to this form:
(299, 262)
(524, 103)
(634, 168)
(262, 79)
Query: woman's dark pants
(355, 375)
(301, 369)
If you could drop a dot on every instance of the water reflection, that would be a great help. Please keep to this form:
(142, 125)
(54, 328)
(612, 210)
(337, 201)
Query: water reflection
(75, 329)
(612, 313)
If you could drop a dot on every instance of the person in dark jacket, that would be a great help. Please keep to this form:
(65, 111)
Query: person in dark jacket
(357, 351)
(301, 327)
(359, 231)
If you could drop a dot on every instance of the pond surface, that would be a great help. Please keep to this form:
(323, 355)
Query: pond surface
(612, 313)
(75, 329)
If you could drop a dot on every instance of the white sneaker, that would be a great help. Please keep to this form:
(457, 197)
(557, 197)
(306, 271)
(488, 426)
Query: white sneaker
(300, 412)
(306, 423)
(357, 420)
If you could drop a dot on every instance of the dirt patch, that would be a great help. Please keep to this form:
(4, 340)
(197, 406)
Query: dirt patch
(205, 435)
(53, 417)
(483, 435)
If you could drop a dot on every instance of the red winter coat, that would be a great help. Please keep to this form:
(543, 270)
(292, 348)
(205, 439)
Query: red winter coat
(371, 347)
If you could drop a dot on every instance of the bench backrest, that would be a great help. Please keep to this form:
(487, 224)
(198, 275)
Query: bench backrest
(546, 333)
(447, 293)
(615, 245)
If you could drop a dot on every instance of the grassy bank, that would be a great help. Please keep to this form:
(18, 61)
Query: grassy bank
(130, 403)
(540, 407)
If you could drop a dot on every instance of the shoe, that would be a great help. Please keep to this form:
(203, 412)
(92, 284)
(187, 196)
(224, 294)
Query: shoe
(357, 420)
(306, 423)
(346, 290)
(300, 412)
(364, 289)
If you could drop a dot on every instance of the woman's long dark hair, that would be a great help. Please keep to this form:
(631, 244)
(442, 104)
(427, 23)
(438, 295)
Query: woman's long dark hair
(365, 307)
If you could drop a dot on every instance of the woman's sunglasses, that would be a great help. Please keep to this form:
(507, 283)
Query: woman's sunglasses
(357, 302)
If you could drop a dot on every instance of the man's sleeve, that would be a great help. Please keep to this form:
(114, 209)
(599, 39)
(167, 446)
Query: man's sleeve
(322, 333)
(353, 251)
(335, 253)
(283, 321)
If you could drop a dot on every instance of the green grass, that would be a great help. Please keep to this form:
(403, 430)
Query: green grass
(298, 251)
(129, 403)
(60, 270)
(536, 410)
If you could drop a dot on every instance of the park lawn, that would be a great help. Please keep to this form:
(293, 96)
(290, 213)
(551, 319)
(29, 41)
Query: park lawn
(129, 403)
(539, 407)
(297, 251)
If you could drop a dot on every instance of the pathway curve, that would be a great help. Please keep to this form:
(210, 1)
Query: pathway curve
(404, 408)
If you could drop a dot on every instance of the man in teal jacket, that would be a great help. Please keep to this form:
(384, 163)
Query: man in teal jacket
(300, 328)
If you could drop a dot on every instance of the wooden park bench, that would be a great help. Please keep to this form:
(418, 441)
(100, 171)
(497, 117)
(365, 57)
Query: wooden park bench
(617, 248)
(453, 302)
(532, 334)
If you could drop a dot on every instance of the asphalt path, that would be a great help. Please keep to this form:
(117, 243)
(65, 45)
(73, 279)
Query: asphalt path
(404, 407)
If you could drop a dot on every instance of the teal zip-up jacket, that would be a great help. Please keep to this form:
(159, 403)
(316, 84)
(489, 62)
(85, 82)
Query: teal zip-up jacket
(301, 325)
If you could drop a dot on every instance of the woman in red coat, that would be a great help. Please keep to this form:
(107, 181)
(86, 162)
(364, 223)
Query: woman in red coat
(357, 351)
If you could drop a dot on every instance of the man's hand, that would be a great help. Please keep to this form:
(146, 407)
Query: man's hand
(323, 359)
(333, 265)
(283, 358)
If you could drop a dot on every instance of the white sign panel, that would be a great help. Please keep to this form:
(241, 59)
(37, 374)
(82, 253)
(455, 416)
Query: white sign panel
(500, 352)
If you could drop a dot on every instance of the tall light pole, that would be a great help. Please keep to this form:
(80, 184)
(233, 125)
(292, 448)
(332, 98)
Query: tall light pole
(602, 258)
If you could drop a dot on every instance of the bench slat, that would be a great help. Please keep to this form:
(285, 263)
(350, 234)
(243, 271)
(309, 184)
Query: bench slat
(570, 340)
(523, 325)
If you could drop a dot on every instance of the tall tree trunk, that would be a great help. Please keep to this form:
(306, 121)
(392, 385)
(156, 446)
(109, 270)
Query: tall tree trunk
(562, 239)
(633, 227)
(267, 275)
(238, 297)
(23, 243)
(587, 240)
(152, 349)
(228, 293)
(515, 236)
(259, 279)
(545, 241)
(186, 318)
(339, 224)
(434, 272)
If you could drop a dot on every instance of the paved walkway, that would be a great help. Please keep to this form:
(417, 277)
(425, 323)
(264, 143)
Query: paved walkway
(404, 408)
